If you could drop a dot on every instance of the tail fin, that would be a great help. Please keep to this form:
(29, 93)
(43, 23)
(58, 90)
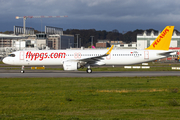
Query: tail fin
(93, 47)
(162, 42)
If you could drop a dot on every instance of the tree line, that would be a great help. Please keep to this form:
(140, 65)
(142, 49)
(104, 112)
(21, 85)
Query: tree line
(114, 35)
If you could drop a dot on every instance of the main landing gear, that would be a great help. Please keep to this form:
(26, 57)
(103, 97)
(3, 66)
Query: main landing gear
(89, 70)
(22, 69)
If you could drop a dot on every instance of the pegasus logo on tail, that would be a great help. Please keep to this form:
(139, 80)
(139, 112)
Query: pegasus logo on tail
(162, 42)
(162, 35)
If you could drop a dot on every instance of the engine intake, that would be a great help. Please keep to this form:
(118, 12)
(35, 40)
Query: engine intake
(71, 65)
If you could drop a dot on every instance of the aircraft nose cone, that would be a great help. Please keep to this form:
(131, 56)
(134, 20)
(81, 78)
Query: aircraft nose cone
(4, 60)
(8, 61)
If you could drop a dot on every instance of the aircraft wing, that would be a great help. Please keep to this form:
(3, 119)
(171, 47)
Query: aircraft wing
(96, 58)
(93, 59)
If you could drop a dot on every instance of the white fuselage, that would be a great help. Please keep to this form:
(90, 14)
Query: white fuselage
(57, 57)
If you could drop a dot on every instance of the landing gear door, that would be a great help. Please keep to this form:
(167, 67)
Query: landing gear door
(146, 55)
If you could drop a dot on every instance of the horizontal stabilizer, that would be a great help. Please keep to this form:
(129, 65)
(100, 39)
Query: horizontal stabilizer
(169, 53)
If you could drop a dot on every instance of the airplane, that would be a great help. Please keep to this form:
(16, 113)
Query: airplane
(75, 59)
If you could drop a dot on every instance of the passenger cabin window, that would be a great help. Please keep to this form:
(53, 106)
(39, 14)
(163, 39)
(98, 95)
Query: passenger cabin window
(12, 55)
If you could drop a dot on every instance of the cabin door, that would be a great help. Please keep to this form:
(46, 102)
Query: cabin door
(146, 55)
(21, 56)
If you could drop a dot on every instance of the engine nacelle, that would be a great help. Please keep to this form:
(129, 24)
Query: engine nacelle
(70, 65)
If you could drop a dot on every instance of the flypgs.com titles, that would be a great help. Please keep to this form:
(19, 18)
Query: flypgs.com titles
(42, 56)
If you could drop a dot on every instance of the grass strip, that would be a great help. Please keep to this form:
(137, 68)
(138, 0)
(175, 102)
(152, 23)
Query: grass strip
(104, 98)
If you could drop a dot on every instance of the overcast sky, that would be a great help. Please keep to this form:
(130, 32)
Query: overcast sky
(123, 15)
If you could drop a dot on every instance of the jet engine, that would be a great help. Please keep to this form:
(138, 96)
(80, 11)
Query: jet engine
(71, 65)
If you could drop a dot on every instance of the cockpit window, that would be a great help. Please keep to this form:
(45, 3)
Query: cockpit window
(11, 55)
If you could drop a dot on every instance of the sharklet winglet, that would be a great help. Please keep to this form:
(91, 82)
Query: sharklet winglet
(109, 51)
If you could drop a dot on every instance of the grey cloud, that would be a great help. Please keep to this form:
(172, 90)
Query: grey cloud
(95, 11)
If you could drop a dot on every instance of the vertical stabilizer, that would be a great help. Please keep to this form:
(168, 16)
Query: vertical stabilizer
(162, 42)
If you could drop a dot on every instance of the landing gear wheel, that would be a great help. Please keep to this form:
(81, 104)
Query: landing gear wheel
(22, 71)
(89, 70)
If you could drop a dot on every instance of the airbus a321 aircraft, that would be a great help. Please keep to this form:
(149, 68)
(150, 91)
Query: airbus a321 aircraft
(75, 59)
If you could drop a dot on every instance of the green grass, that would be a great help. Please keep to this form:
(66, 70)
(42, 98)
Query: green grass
(110, 98)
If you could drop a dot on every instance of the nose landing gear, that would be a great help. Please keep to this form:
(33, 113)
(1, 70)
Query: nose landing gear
(22, 69)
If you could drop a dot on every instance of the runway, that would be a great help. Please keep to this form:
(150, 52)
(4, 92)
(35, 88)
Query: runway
(56, 73)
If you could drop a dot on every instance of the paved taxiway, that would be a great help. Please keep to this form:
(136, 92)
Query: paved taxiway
(55, 73)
